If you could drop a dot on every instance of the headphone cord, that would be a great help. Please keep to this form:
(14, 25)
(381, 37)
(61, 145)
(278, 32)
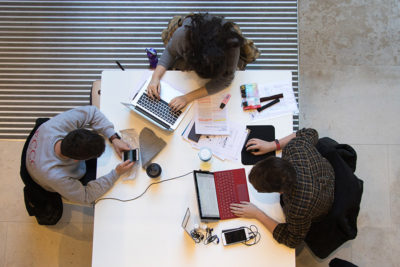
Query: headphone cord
(127, 200)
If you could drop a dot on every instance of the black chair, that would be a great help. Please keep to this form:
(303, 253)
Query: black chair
(340, 224)
(46, 206)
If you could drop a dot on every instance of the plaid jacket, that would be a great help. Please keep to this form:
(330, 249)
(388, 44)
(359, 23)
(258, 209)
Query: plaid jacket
(312, 195)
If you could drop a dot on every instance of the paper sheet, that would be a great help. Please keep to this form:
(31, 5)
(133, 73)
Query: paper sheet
(222, 146)
(286, 105)
(210, 119)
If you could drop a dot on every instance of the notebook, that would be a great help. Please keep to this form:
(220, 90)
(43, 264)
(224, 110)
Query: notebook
(263, 132)
(216, 191)
(158, 111)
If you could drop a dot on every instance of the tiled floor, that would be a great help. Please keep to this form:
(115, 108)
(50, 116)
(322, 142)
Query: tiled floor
(349, 90)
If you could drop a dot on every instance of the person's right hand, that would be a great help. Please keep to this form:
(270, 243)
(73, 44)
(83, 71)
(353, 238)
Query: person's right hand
(154, 88)
(124, 167)
(259, 147)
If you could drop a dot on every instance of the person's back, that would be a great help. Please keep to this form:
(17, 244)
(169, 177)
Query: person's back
(60, 173)
(313, 192)
(315, 175)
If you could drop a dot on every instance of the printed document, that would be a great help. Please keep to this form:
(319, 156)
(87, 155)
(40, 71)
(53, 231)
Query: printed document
(210, 119)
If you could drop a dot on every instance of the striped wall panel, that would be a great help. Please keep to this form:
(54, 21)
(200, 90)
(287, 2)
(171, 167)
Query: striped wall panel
(52, 51)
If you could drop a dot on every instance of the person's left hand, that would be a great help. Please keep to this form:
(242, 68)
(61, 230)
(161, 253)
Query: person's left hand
(178, 103)
(245, 209)
(120, 146)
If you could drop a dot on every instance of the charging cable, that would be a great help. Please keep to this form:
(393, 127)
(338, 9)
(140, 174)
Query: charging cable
(127, 200)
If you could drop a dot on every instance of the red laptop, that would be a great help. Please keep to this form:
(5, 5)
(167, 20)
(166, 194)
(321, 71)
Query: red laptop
(216, 191)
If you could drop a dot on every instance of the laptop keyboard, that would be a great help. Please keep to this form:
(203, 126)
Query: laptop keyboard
(159, 108)
(224, 181)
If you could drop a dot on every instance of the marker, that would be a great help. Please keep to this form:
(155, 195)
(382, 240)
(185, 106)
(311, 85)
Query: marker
(119, 65)
(225, 101)
(272, 97)
(268, 105)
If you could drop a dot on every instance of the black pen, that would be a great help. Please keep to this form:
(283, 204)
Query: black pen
(272, 97)
(119, 65)
(268, 105)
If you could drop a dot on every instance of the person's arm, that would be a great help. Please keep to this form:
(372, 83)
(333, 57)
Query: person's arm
(80, 118)
(180, 102)
(264, 147)
(251, 211)
(293, 232)
(73, 190)
(214, 85)
(173, 50)
(154, 88)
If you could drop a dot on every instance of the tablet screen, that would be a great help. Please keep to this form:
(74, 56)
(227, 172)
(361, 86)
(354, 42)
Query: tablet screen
(207, 195)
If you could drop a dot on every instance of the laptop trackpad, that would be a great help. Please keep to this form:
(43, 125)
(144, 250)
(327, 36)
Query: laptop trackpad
(242, 192)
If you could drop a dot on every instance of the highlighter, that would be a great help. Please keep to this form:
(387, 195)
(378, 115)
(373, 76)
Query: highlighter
(225, 101)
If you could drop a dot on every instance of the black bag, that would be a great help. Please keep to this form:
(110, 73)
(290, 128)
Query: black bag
(46, 206)
(340, 224)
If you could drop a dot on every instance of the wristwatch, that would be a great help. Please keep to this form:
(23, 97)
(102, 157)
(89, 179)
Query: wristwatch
(112, 137)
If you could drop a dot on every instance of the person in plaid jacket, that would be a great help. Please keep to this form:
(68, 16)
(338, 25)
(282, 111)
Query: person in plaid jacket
(305, 180)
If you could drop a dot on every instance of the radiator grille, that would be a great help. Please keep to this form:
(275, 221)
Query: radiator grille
(52, 51)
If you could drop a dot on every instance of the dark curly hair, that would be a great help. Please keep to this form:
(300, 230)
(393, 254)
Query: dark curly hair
(273, 175)
(208, 40)
(82, 144)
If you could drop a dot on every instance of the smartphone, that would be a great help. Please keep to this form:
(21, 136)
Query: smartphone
(132, 155)
(233, 236)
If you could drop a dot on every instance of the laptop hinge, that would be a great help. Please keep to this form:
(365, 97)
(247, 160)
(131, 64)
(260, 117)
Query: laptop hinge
(155, 119)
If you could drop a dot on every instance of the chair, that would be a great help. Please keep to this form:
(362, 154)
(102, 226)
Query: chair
(95, 93)
(340, 224)
(46, 206)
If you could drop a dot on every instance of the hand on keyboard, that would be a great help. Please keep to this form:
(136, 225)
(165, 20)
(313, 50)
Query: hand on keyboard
(245, 209)
(178, 103)
(154, 89)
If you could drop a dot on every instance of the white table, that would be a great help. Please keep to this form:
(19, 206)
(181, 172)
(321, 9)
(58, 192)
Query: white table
(147, 231)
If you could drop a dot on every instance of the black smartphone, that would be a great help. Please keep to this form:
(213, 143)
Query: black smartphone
(132, 155)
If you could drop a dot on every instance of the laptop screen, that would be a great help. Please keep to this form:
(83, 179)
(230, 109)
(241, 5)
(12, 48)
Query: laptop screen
(207, 195)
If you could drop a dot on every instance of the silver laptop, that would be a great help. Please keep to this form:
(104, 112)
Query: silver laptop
(158, 111)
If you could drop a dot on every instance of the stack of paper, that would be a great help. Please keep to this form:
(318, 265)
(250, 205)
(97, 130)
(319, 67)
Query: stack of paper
(222, 146)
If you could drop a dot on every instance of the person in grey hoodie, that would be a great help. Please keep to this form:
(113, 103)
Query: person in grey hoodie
(57, 152)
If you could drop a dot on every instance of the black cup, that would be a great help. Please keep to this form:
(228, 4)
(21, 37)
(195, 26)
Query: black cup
(153, 170)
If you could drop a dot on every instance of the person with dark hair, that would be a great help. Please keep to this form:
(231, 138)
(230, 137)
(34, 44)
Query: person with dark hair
(58, 150)
(305, 180)
(209, 45)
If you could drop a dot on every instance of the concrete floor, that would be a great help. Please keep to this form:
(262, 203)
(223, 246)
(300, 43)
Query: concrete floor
(349, 90)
